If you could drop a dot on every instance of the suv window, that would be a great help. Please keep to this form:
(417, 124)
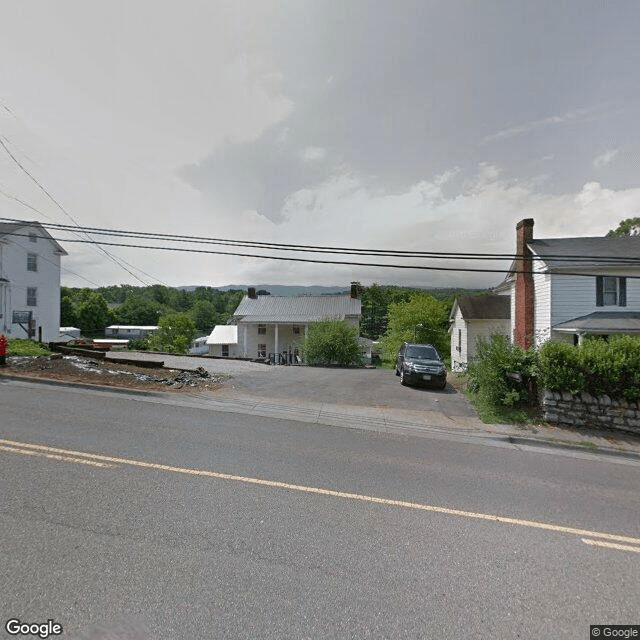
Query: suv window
(424, 353)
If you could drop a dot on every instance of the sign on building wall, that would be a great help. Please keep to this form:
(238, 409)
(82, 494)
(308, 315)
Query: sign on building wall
(21, 317)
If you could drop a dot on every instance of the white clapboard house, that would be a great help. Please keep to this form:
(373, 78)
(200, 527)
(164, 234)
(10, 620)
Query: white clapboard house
(29, 281)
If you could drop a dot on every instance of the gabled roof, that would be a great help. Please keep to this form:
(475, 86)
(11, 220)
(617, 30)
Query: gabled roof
(296, 309)
(224, 334)
(594, 252)
(13, 229)
(491, 307)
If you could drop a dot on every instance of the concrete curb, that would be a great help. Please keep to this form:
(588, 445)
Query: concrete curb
(502, 437)
(541, 442)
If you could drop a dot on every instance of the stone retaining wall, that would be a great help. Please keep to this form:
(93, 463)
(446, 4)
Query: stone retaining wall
(584, 410)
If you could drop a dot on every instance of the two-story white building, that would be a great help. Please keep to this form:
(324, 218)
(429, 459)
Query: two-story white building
(556, 289)
(264, 326)
(566, 288)
(29, 281)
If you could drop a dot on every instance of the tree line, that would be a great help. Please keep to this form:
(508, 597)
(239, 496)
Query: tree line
(390, 313)
(91, 310)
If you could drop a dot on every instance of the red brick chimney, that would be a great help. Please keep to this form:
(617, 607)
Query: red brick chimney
(524, 285)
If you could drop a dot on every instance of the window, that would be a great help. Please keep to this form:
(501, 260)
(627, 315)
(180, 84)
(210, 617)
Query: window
(296, 330)
(32, 299)
(262, 351)
(33, 237)
(224, 350)
(459, 348)
(262, 329)
(611, 291)
(32, 262)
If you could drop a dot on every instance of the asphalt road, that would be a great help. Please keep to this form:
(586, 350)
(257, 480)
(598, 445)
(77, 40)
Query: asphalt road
(202, 524)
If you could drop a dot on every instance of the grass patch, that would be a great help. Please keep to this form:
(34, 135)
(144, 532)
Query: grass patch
(20, 347)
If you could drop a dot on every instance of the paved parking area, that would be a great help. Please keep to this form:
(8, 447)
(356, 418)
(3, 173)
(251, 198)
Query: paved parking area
(376, 388)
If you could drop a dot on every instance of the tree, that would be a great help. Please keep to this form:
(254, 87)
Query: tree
(375, 302)
(68, 315)
(93, 313)
(628, 227)
(138, 310)
(421, 319)
(175, 333)
(204, 315)
(332, 341)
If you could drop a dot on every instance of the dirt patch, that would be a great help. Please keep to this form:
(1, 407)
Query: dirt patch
(111, 374)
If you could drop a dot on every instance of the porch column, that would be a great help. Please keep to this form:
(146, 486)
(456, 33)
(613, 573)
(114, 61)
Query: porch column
(306, 331)
(276, 347)
(244, 341)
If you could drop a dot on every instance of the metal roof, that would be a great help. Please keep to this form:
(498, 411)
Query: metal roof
(612, 252)
(11, 228)
(602, 322)
(297, 309)
(224, 334)
(150, 327)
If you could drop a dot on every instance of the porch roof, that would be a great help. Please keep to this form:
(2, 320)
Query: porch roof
(602, 322)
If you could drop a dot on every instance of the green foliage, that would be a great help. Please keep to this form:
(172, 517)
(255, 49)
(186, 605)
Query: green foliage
(599, 367)
(204, 315)
(139, 311)
(331, 341)
(421, 319)
(628, 227)
(175, 333)
(375, 303)
(93, 313)
(487, 372)
(68, 315)
(22, 347)
(144, 306)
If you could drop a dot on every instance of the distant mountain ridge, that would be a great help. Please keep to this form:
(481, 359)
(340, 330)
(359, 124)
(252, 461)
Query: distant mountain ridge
(280, 289)
(317, 290)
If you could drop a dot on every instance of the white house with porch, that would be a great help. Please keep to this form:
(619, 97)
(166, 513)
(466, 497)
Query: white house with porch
(272, 327)
(29, 281)
(566, 288)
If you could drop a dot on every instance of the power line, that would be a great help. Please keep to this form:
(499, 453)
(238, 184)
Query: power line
(3, 142)
(143, 235)
(317, 261)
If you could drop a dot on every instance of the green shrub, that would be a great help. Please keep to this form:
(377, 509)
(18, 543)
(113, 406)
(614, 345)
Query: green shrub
(487, 372)
(23, 347)
(599, 367)
(559, 367)
(331, 341)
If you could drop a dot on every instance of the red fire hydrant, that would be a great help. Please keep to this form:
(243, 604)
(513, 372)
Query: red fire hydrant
(3, 351)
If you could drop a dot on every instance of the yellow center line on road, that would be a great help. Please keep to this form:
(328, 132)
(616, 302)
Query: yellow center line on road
(54, 456)
(611, 545)
(533, 524)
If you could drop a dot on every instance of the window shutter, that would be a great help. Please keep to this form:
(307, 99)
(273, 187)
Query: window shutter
(622, 292)
(599, 296)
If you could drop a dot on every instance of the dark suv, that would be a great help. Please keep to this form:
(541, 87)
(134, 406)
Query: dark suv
(421, 364)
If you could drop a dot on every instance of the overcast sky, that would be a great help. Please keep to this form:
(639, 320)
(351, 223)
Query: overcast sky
(430, 125)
